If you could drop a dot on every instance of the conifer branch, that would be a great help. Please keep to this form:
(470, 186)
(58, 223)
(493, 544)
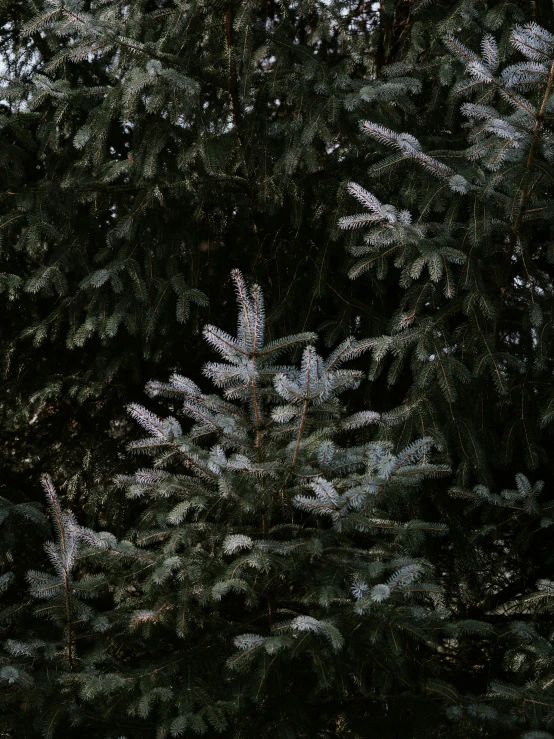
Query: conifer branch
(539, 120)
(59, 520)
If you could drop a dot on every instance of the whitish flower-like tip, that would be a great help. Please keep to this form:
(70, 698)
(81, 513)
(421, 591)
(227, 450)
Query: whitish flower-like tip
(153, 67)
(408, 143)
(143, 617)
(389, 213)
(237, 542)
(359, 589)
(9, 674)
(478, 70)
(380, 593)
(458, 183)
(247, 641)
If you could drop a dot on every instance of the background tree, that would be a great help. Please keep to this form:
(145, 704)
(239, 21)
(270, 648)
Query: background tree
(475, 321)
(164, 146)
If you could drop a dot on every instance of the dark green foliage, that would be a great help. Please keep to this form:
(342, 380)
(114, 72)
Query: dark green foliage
(469, 235)
(272, 550)
(149, 149)
(475, 319)
(157, 147)
(146, 150)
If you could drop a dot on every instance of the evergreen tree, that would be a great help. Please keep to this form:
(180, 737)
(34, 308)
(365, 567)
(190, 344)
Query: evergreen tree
(120, 122)
(475, 320)
(274, 547)
(149, 148)
(470, 236)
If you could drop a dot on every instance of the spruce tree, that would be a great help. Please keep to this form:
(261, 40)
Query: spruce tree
(149, 148)
(469, 234)
(272, 584)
